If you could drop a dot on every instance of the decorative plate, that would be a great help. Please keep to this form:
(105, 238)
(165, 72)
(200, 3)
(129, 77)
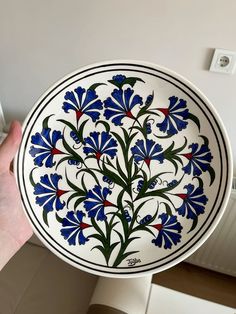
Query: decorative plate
(124, 168)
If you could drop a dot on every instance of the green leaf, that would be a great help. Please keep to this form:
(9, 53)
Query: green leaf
(120, 236)
(98, 237)
(131, 205)
(45, 217)
(148, 230)
(110, 163)
(58, 218)
(74, 187)
(83, 184)
(122, 257)
(195, 222)
(94, 86)
(62, 160)
(79, 201)
(71, 151)
(31, 177)
(129, 80)
(132, 81)
(71, 198)
(120, 140)
(164, 136)
(100, 248)
(75, 195)
(106, 125)
(91, 173)
(205, 139)
(159, 193)
(81, 131)
(212, 174)
(98, 229)
(121, 173)
(113, 176)
(195, 120)
(70, 125)
(142, 130)
(168, 209)
(113, 246)
(45, 122)
(200, 181)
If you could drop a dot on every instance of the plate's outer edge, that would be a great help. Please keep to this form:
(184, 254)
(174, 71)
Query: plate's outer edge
(214, 224)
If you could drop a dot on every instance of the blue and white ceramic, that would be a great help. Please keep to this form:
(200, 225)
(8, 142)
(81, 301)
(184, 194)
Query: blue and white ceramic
(124, 168)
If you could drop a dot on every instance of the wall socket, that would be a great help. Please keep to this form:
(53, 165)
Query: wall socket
(223, 61)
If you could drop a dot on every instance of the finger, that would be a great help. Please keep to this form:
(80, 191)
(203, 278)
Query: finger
(9, 146)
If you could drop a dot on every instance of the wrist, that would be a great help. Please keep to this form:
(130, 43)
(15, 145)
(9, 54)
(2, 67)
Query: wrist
(8, 247)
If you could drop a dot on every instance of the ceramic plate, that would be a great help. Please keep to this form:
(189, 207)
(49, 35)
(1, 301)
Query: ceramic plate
(124, 168)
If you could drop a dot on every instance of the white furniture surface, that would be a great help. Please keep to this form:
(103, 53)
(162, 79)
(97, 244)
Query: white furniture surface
(166, 301)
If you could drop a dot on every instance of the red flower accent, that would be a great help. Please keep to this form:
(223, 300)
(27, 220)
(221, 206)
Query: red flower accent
(182, 195)
(55, 151)
(60, 193)
(129, 114)
(158, 226)
(79, 113)
(165, 111)
(189, 156)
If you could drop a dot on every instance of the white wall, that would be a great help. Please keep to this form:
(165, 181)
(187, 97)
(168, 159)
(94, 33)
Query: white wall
(41, 41)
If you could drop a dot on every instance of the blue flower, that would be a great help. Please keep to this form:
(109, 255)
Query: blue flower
(145, 220)
(45, 148)
(119, 78)
(73, 228)
(83, 104)
(147, 151)
(193, 202)
(199, 159)
(97, 201)
(127, 216)
(120, 105)
(149, 100)
(49, 192)
(174, 116)
(99, 144)
(148, 128)
(169, 231)
(151, 185)
(75, 137)
(107, 180)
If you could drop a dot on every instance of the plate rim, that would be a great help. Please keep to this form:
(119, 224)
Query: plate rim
(215, 221)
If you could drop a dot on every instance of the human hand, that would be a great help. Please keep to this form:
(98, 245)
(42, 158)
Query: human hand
(14, 226)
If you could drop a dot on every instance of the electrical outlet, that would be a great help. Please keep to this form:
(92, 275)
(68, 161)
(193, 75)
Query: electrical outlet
(223, 61)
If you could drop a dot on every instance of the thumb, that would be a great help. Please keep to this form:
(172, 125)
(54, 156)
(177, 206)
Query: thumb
(9, 146)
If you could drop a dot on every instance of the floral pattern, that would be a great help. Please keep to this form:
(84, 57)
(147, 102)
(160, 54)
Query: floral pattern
(175, 116)
(199, 159)
(120, 105)
(193, 202)
(100, 144)
(73, 228)
(114, 175)
(147, 151)
(44, 148)
(96, 201)
(83, 102)
(168, 231)
(48, 192)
